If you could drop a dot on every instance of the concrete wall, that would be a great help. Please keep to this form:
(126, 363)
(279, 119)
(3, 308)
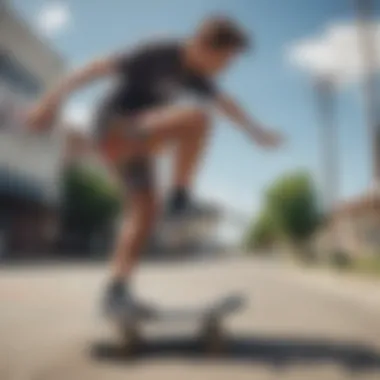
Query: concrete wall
(31, 51)
(37, 157)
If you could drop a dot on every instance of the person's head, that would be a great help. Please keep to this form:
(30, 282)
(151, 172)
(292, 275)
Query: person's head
(215, 43)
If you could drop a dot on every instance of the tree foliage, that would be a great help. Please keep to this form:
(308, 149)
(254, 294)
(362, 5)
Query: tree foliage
(292, 204)
(261, 234)
(290, 212)
(90, 202)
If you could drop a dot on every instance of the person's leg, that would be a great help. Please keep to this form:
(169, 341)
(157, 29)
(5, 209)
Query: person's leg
(186, 128)
(138, 221)
(183, 127)
(139, 216)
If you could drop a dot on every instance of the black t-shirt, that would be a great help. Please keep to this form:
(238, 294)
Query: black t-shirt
(154, 74)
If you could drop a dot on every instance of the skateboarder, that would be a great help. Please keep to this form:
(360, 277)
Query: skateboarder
(141, 116)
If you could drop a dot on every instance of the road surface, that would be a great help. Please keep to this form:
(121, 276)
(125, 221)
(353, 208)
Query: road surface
(294, 327)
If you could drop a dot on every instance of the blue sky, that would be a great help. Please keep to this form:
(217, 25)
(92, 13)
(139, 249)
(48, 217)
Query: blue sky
(234, 171)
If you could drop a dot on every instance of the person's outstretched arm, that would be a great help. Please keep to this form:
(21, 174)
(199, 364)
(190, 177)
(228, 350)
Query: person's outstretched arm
(45, 111)
(261, 135)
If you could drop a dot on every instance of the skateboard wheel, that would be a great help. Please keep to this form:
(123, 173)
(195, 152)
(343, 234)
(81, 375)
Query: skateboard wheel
(212, 336)
(130, 338)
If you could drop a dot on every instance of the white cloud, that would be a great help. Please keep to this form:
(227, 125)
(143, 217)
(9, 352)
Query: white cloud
(78, 116)
(53, 18)
(336, 53)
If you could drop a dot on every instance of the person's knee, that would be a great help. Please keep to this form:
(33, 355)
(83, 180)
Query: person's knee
(198, 121)
(198, 116)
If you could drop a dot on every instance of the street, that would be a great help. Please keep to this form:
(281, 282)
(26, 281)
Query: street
(292, 327)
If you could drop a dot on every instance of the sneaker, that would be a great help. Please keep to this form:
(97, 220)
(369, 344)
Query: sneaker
(182, 209)
(119, 302)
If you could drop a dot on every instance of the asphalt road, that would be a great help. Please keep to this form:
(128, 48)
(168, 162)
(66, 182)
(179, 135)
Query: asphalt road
(295, 326)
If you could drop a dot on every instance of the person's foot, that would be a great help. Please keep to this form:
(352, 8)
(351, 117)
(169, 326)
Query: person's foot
(190, 211)
(119, 302)
(180, 206)
(177, 203)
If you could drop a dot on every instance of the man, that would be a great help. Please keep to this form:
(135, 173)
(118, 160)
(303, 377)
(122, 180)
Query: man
(140, 116)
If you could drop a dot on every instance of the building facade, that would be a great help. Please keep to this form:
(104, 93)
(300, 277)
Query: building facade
(194, 234)
(29, 163)
(353, 227)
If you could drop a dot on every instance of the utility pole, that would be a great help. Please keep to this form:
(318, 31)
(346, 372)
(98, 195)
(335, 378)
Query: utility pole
(325, 99)
(365, 10)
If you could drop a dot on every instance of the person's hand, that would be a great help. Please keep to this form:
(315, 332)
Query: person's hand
(43, 115)
(267, 138)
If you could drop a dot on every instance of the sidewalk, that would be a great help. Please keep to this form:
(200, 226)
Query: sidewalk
(364, 291)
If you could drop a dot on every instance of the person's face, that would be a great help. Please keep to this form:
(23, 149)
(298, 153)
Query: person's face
(212, 61)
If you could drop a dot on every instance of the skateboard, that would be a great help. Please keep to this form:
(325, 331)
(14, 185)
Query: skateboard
(209, 320)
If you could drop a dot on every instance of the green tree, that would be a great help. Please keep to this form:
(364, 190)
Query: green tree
(90, 203)
(290, 214)
(293, 206)
(262, 233)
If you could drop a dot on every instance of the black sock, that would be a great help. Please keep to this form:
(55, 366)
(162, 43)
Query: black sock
(117, 286)
(179, 199)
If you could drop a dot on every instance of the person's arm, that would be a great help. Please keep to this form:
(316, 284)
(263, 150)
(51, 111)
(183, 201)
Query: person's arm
(253, 128)
(84, 76)
(44, 113)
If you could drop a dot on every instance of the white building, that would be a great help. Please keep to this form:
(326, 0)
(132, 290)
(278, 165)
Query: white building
(29, 163)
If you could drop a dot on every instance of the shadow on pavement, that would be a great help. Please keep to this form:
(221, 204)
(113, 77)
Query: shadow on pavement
(156, 259)
(277, 352)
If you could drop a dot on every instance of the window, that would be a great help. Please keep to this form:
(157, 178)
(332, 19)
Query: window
(17, 77)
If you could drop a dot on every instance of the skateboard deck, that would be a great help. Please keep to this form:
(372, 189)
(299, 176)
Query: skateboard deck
(218, 309)
(208, 318)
